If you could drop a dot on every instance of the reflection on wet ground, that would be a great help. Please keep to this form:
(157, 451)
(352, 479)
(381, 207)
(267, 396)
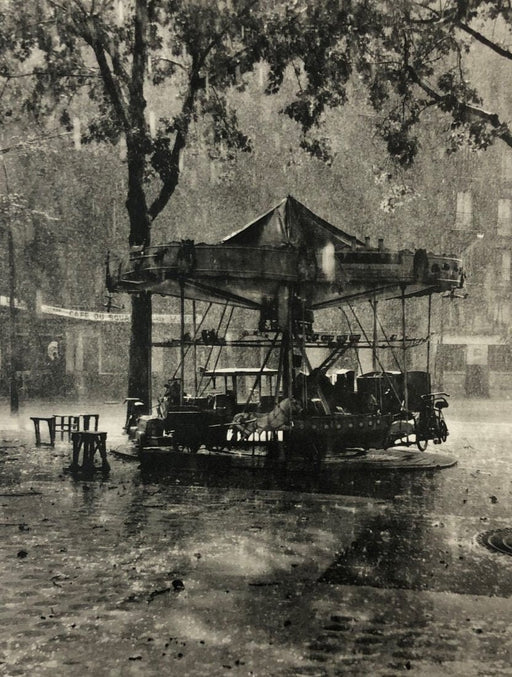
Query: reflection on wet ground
(254, 571)
(324, 481)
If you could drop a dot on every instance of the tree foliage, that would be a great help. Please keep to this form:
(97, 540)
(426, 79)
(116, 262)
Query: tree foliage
(120, 55)
(411, 56)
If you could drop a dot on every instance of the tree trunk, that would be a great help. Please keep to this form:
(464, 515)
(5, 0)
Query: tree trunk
(139, 377)
(13, 346)
(139, 367)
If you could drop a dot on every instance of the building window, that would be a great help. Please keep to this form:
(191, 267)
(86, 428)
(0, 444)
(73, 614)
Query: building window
(452, 357)
(504, 217)
(505, 265)
(500, 358)
(464, 215)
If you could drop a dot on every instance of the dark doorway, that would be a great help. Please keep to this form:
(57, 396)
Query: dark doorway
(477, 380)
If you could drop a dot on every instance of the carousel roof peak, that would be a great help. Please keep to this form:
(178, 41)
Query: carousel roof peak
(289, 222)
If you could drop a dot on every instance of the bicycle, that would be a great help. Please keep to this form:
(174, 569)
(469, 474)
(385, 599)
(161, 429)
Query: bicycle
(429, 423)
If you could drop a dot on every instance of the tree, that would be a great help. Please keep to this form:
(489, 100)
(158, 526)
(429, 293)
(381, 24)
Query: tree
(110, 58)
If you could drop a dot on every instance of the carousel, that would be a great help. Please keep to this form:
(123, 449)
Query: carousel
(297, 398)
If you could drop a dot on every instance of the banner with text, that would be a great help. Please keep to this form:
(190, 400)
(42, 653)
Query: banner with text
(94, 316)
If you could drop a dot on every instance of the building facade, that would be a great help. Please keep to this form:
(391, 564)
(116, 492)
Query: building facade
(474, 352)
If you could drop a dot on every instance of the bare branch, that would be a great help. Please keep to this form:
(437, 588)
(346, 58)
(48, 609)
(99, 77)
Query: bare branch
(421, 5)
(4, 87)
(501, 51)
(296, 71)
(171, 61)
(113, 52)
(113, 89)
(455, 16)
(58, 6)
(170, 170)
(171, 174)
(81, 7)
(24, 144)
(473, 112)
(62, 74)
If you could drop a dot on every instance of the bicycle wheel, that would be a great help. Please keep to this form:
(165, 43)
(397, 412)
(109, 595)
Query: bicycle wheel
(443, 430)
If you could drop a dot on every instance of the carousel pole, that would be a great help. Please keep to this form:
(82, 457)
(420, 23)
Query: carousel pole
(279, 368)
(404, 352)
(428, 331)
(194, 334)
(182, 339)
(286, 362)
(304, 388)
(374, 342)
(290, 352)
(285, 323)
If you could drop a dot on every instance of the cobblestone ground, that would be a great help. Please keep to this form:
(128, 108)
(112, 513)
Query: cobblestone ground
(246, 573)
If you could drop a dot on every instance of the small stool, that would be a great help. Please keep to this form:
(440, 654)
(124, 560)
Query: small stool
(50, 420)
(89, 441)
(66, 424)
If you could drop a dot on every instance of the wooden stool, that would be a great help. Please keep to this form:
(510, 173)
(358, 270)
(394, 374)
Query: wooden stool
(89, 441)
(50, 420)
(66, 424)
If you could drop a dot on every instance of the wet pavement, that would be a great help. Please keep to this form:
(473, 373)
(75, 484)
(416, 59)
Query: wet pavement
(247, 571)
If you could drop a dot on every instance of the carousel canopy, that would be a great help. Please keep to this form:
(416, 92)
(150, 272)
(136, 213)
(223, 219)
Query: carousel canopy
(287, 252)
(291, 224)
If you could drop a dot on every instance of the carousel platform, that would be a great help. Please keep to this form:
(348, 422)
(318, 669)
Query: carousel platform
(378, 459)
(394, 459)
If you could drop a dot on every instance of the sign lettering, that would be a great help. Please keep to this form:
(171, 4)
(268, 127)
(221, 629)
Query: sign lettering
(94, 316)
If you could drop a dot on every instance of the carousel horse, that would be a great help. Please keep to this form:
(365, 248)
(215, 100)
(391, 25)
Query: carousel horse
(279, 418)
